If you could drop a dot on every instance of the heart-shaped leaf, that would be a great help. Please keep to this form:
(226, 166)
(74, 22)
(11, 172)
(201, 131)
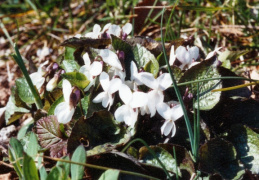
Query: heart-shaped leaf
(219, 156)
(203, 70)
(246, 142)
(145, 59)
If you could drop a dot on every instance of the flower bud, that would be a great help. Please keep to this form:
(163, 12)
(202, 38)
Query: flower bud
(52, 83)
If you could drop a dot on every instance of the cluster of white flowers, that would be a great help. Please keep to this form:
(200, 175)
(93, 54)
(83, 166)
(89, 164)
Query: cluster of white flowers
(134, 101)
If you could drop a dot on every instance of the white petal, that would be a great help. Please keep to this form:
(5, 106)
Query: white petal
(67, 90)
(127, 28)
(125, 93)
(152, 102)
(121, 112)
(115, 30)
(105, 81)
(176, 112)
(110, 58)
(149, 80)
(106, 101)
(134, 75)
(63, 112)
(194, 52)
(114, 86)
(180, 54)
(37, 79)
(106, 27)
(173, 130)
(86, 59)
(96, 32)
(172, 56)
(139, 99)
(96, 68)
(167, 127)
(164, 110)
(99, 98)
(164, 81)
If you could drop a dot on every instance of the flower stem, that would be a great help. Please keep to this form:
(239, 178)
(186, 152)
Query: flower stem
(179, 96)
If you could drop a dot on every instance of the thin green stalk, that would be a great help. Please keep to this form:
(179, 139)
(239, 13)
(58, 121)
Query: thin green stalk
(217, 78)
(101, 167)
(6, 33)
(194, 129)
(150, 12)
(150, 150)
(179, 96)
(19, 61)
(198, 124)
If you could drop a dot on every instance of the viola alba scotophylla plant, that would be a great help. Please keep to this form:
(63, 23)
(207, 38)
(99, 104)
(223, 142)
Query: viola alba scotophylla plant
(112, 59)
(155, 96)
(109, 87)
(170, 115)
(185, 55)
(91, 70)
(132, 101)
(65, 110)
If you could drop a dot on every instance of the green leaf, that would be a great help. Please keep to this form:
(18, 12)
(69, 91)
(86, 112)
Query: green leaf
(65, 166)
(70, 65)
(77, 171)
(12, 112)
(24, 91)
(29, 168)
(246, 142)
(110, 174)
(32, 147)
(76, 79)
(219, 156)
(98, 129)
(17, 147)
(203, 70)
(69, 53)
(146, 59)
(43, 173)
(54, 105)
(56, 173)
(15, 152)
(164, 156)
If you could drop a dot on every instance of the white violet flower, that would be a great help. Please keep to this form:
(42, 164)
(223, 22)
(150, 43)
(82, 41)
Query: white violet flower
(112, 59)
(185, 55)
(109, 88)
(129, 112)
(65, 110)
(158, 85)
(170, 115)
(90, 70)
